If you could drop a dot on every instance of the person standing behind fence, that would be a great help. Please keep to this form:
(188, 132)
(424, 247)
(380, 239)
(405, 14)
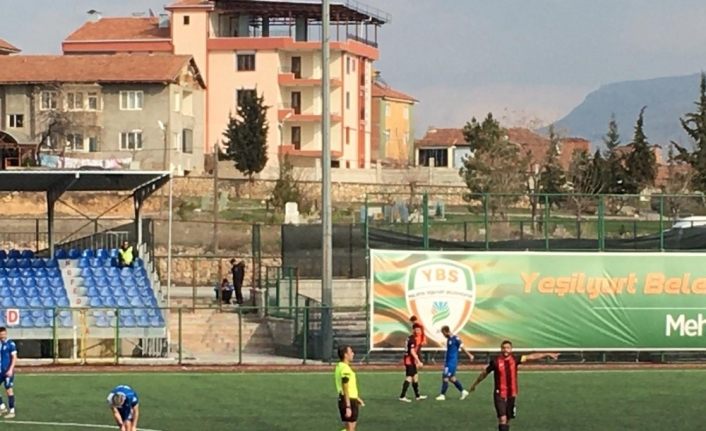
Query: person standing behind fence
(126, 255)
(238, 271)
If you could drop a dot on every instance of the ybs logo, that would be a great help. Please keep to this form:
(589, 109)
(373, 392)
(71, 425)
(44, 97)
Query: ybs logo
(441, 293)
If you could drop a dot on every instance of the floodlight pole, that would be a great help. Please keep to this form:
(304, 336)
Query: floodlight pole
(326, 264)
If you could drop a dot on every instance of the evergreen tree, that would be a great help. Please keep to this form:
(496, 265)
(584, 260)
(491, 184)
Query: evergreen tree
(246, 135)
(694, 123)
(599, 167)
(552, 179)
(641, 163)
(286, 188)
(584, 181)
(495, 165)
(614, 174)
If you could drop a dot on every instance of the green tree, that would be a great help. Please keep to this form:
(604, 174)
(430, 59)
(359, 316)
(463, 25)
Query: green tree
(584, 182)
(614, 172)
(287, 187)
(678, 182)
(246, 134)
(495, 165)
(640, 163)
(552, 179)
(694, 123)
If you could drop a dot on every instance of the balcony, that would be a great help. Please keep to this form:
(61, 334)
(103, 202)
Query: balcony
(287, 78)
(289, 115)
(290, 150)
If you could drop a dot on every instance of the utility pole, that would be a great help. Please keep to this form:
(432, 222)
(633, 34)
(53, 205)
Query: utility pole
(326, 264)
(216, 206)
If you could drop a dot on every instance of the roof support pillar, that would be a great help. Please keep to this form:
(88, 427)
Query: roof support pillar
(53, 194)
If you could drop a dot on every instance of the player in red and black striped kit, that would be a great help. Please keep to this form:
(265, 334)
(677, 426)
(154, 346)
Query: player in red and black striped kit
(411, 364)
(504, 367)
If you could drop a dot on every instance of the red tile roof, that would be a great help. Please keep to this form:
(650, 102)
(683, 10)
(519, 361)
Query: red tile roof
(190, 3)
(129, 28)
(7, 47)
(22, 69)
(381, 90)
(441, 138)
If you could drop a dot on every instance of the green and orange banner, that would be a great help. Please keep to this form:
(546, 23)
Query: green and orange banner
(541, 301)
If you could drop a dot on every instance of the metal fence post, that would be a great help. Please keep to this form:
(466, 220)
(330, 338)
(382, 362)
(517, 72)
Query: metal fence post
(661, 222)
(117, 336)
(36, 236)
(305, 335)
(193, 284)
(240, 337)
(486, 224)
(601, 223)
(55, 340)
(181, 342)
(425, 224)
(546, 222)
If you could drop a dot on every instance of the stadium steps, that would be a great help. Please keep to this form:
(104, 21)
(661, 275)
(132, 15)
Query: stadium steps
(211, 333)
(349, 328)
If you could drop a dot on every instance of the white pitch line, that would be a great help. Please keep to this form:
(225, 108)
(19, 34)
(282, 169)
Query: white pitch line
(65, 424)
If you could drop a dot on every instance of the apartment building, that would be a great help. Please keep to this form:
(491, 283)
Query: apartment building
(273, 48)
(105, 110)
(393, 125)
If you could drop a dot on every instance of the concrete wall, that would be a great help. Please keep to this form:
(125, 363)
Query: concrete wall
(15, 100)
(346, 293)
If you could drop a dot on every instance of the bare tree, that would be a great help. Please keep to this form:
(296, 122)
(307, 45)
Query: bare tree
(585, 182)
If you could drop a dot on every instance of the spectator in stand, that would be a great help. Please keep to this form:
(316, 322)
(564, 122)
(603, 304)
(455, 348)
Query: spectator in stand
(238, 271)
(126, 255)
(224, 291)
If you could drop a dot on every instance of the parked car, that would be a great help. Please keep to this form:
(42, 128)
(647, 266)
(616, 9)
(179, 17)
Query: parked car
(689, 222)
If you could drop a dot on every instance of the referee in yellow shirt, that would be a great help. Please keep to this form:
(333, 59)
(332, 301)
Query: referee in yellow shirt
(347, 388)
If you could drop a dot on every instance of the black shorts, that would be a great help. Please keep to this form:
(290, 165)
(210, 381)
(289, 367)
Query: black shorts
(410, 370)
(342, 409)
(505, 407)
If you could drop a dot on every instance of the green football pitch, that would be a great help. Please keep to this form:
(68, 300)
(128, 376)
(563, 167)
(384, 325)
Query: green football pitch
(549, 400)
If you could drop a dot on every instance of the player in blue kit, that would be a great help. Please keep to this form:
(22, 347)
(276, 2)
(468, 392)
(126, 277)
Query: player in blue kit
(125, 405)
(8, 359)
(453, 346)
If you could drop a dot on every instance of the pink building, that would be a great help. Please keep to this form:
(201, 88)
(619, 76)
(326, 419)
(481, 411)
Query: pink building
(272, 47)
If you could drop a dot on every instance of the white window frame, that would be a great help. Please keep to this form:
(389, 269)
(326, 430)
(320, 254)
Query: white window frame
(52, 99)
(133, 100)
(13, 124)
(405, 112)
(71, 95)
(177, 102)
(93, 95)
(71, 142)
(131, 133)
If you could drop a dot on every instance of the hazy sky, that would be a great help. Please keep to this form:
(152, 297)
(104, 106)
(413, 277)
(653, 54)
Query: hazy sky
(521, 59)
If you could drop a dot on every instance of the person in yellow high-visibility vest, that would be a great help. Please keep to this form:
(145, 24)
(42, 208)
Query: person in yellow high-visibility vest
(126, 255)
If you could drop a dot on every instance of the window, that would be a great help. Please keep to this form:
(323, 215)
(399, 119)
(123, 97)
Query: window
(74, 101)
(49, 100)
(16, 121)
(297, 102)
(353, 64)
(348, 100)
(297, 137)
(92, 101)
(187, 141)
(74, 142)
(177, 102)
(405, 113)
(92, 144)
(243, 94)
(187, 20)
(348, 65)
(245, 62)
(131, 100)
(387, 109)
(130, 141)
(297, 67)
(188, 104)
(335, 164)
(439, 155)
(348, 135)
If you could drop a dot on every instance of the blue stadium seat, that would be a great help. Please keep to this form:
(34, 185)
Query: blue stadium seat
(31, 292)
(127, 312)
(36, 313)
(53, 272)
(8, 301)
(41, 273)
(142, 282)
(87, 253)
(48, 301)
(35, 302)
(105, 292)
(38, 263)
(29, 282)
(114, 253)
(110, 302)
(96, 302)
(115, 282)
(89, 282)
(99, 272)
(143, 321)
(4, 282)
(102, 322)
(5, 291)
(139, 263)
(74, 253)
(14, 254)
(123, 302)
(56, 282)
(65, 323)
(113, 272)
(156, 322)
(128, 282)
(26, 321)
(152, 312)
(96, 262)
(27, 254)
(86, 273)
(103, 254)
(60, 254)
(21, 301)
(102, 281)
(136, 302)
(59, 292)
(132, 292)
(15, 282)
(128, 321)
(93, 292)
(119, 291)
(24, 263)
(11, 263)
(46, 291)
(51, 263)
(27, 272)
(43, 282)
(3, 254)
(62, 302)
(84, 262)
(125, 272)
(145, 293)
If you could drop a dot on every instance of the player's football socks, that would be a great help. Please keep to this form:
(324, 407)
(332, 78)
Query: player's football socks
(415, 386)
(505, 427)
(11, 403)
(405, 387)
(458, 385)
(444, 387)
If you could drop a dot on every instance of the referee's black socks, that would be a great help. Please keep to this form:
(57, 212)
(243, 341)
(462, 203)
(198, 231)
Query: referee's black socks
(505, 427)
(405, 386)
(415, 386)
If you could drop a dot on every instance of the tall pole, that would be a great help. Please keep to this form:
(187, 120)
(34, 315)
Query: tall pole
(326, 264)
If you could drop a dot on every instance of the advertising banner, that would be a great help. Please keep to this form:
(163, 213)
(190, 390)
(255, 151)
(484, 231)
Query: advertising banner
(541, 301)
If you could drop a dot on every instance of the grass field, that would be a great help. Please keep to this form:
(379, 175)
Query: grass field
(549, 400)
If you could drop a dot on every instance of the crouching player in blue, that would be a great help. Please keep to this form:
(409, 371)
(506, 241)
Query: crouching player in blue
(8, 358)
(453, 346)
(126, 411)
